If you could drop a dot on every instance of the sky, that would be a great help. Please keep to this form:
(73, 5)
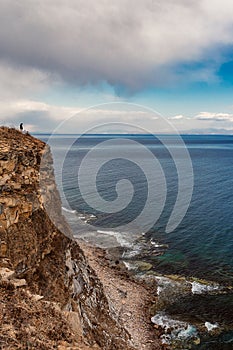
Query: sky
(174, 57)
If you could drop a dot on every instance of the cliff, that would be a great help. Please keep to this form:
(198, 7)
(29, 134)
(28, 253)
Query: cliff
(50, 297)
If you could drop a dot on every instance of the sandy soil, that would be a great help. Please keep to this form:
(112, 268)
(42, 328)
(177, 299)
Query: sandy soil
(130, 299)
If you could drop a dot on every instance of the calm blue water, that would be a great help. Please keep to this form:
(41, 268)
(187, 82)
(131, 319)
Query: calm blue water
(202, 245)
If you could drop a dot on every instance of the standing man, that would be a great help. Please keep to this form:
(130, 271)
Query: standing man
(21, 127)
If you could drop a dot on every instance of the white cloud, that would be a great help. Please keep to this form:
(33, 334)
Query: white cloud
(35, 115)
(218, 117)
(178, 117)
(40, 116)
(204, 123)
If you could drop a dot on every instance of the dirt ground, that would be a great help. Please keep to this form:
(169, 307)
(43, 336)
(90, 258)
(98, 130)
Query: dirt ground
(130, 299)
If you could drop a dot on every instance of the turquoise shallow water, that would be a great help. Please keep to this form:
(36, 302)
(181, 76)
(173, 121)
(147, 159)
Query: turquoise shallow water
(202, 244)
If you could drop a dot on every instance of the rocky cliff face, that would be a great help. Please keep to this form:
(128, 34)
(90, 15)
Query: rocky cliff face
(38, 254)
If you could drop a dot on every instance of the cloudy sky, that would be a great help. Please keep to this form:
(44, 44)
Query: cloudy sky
(58, 57)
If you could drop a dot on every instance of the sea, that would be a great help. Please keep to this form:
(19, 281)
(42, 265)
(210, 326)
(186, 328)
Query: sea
(193, 264)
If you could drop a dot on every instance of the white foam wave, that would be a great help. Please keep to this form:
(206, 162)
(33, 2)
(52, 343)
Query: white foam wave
(81, 217)
(211, 326)
(119, 237)
(166, 322)
(132, 254)
(69, 210)
(156, 244)
(189, 332)
(199, 288)
(174, 329)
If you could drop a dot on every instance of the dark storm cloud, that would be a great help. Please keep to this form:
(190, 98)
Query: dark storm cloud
(129, 44)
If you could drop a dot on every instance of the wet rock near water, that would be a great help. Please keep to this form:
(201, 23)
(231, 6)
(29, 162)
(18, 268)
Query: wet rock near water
(143, 248)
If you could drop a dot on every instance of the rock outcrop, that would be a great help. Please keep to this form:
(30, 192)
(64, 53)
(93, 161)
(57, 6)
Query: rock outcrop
(41, 265)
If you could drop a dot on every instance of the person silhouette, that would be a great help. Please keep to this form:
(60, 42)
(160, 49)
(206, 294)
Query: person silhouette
(21, 127)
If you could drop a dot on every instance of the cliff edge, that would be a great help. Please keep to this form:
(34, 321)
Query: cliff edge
(50, 298)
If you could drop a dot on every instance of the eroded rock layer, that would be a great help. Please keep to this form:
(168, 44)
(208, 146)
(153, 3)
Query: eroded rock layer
(36, 248)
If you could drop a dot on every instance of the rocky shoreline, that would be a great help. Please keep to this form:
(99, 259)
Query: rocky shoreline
(178, 307)
(130, 298)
